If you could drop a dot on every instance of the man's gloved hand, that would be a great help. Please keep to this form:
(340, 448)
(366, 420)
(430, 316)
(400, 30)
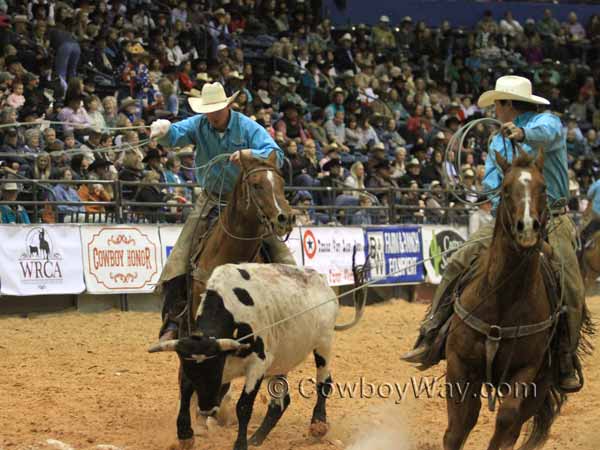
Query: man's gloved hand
(159, 128)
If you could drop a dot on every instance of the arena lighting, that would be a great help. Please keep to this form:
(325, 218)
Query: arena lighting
(397, 29)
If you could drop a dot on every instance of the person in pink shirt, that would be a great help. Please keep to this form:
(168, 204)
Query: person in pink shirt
(16, 99)
(74, 114)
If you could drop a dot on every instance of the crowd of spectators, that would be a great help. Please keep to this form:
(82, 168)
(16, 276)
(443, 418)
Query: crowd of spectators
(352, 108)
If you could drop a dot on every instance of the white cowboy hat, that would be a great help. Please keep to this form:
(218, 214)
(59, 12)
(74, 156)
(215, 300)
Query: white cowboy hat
(213, 99)
(511, 87)
(384, 19)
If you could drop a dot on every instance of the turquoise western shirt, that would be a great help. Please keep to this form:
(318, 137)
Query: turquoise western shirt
(541, 130)
(594, 196)
(241, 133)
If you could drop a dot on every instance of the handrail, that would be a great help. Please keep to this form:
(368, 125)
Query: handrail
(120, 209)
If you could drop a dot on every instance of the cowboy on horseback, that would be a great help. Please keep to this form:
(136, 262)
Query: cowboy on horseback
(216, 130)
(516, 108)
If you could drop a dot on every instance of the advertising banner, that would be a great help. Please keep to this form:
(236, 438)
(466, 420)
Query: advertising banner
(40, 260)
(168, 237)
(436, 240)
(393, 253)
(121, 258)
(294, 243)
(329, 251)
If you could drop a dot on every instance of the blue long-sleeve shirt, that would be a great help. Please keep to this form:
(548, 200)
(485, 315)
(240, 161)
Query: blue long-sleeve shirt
(241, 133)
(593, 194)
(66, 193)
(541, 130)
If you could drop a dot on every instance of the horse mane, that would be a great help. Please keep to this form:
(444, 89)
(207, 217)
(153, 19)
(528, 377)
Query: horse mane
(524, 160)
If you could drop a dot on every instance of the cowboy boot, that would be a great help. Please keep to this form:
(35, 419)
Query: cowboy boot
(175, 301)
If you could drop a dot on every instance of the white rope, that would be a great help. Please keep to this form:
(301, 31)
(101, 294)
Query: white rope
(351, 291)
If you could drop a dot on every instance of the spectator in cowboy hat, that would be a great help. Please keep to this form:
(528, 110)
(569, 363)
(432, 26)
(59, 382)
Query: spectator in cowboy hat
(344, 58)
(153, 160)
(413, 173)
(338, 97)
(383, 38)
(12, 213)
(135, 73)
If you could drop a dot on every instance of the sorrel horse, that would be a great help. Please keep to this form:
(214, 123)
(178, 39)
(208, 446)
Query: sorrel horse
(502, 327)
(257, 209)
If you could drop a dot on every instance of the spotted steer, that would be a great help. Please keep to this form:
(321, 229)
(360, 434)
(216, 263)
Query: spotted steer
(249, 298)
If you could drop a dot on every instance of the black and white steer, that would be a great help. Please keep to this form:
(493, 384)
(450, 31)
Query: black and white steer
(246, 298)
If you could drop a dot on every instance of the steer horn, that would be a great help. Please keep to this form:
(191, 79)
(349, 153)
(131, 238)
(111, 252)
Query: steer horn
(165, 346)
(226, 345)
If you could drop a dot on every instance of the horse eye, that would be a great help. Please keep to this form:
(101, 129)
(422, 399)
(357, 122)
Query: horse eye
(257, 186)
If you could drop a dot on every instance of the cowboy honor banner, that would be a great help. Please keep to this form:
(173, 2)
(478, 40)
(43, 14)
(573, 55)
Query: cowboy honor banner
(329, 251)
(119, 259)
(438, 243)
(394, 254)
(40, 260)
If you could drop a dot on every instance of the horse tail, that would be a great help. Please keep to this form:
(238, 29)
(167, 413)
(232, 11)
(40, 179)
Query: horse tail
(360, 292)
(585, 347)
(543, 419)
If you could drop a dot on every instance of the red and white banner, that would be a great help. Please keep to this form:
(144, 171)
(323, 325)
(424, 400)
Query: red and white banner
(329, 251)
(121, 258)
(40, 260)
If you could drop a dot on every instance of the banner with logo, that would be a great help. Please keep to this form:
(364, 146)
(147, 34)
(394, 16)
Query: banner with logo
(168, 238)
(121, 258)
(329, 251)
(40, 260)
(393, 253)
(438, 239)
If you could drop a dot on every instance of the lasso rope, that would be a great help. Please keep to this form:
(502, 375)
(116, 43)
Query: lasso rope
(457, 143)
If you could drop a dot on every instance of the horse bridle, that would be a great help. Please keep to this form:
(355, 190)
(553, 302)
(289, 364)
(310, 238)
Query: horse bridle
(251, 198)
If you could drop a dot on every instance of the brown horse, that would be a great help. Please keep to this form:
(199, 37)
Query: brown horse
(256, 210)
(589, 260)
(500, 333)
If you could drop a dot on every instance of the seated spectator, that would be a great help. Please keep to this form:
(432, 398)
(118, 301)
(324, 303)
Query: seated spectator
(291, 123)
(171, 101)
(153, 160)
(74, 115)
(333, 178)
(12, 213)
(382, 178)
(132, 170)
(93, 192)
(16, 99)
(316, 128)
(363, 216)
(172, 168)
(434, 201)
(336, 131)
(481, 216)
(151, 193)
(338, 97)
(399, 163)
(390, 136)
(413, 174)
(111, 110)
(434, 170)
(468, 179)
(92, 105)
(366, 134)
(42, 167)
(65, 192)
(356, 179)
(32, 141)
(49, 138)
(301, 208)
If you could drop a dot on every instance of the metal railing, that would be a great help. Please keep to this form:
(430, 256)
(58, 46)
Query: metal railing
(331, 205)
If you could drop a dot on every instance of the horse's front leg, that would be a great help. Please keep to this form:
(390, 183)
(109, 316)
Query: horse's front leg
(463, 401)
(522, 398)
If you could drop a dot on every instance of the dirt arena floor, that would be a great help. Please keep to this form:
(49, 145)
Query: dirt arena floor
(76, 381)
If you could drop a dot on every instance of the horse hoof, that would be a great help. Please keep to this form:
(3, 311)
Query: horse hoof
(186, 444)
(318, 429)
(254, 441)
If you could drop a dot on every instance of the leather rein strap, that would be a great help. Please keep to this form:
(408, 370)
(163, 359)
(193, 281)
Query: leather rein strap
(494, 334)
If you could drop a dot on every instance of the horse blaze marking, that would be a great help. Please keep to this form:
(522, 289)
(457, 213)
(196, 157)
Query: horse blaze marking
(310, 243)
(525, 179)
(272, 180)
